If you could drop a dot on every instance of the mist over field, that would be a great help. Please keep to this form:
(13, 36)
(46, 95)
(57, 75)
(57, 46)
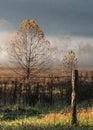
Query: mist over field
(83, 48)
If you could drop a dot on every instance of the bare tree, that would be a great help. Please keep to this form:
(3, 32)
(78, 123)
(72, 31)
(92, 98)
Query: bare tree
(29, 50)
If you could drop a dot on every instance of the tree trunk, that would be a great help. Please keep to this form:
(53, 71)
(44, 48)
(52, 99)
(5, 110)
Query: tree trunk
(73, 99)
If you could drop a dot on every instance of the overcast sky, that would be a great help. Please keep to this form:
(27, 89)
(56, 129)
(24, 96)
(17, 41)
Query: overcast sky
(57, 18)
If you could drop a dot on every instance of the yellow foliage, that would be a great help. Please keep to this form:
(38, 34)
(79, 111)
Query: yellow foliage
(27, 25)
(70, 59)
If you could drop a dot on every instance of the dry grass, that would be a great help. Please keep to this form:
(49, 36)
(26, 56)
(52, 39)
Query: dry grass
(58, 116)
(56, 120)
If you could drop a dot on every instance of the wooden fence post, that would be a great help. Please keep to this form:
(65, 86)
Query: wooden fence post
(73, 98)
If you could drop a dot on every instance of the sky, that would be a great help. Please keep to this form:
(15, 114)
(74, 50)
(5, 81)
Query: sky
(67, 24)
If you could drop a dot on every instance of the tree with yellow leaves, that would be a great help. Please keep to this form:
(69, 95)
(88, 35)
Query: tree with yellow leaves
(70, 60)
(29, 49)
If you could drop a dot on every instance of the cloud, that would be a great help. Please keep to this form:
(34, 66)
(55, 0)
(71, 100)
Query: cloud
(3, 22)
(5, 25)
(6, 32)
(4, 39)
(69, 17)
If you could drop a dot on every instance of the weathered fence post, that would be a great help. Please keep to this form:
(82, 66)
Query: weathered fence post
(73, 98)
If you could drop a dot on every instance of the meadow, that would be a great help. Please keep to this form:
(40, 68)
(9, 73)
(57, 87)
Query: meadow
(45, 117)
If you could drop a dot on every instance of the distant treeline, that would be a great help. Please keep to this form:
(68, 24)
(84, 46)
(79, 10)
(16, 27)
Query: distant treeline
(47, 90)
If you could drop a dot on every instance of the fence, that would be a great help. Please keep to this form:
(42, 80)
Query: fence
(44, 89)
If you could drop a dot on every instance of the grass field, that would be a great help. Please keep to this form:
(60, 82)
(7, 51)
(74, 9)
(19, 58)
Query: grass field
(45, 117)
(41, 117)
